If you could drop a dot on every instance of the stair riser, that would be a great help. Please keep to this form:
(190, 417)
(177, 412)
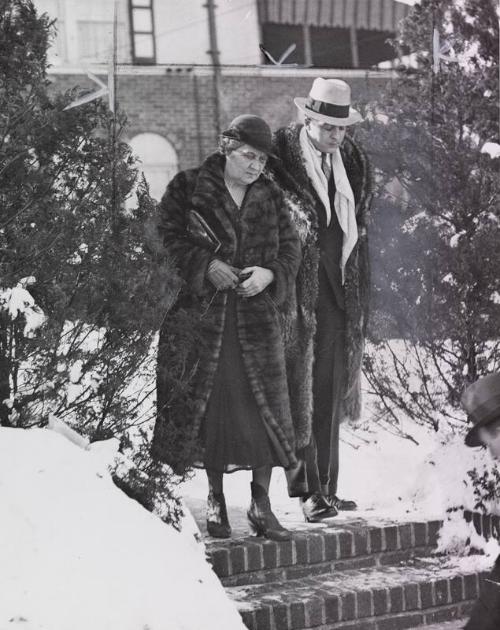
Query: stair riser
(296, 571)
(376, 609)
(406, 620)
(390, 544)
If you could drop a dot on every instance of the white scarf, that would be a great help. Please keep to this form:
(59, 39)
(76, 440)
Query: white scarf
(344, 197)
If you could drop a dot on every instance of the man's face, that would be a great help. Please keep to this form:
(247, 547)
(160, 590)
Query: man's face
(490, 438)
(326, 138)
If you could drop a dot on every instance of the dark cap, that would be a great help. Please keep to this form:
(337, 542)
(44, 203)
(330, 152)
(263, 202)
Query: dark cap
(481, 400)
(251, 130)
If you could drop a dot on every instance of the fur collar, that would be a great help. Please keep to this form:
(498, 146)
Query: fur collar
(213, 201)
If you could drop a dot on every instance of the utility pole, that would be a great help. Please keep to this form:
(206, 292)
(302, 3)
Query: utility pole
(215, 57)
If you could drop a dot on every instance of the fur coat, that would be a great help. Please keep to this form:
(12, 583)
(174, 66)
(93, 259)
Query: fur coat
(304, 205)
(485, 614)
(267, 239)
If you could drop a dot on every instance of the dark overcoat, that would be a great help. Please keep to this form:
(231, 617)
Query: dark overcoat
(267, 239)
(305, 205)
(485, 614)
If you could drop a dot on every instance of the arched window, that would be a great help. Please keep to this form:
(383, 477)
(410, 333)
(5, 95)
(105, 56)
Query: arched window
(158, 161)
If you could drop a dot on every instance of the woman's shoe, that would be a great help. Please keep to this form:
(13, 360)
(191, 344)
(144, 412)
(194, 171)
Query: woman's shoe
(261, 518)
(217, 521)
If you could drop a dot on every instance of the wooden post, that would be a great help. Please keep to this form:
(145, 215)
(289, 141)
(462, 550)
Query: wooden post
(354, 46)
(308, 57)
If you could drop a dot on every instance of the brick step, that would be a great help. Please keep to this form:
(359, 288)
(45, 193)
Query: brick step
(458, 624)
(380, 598)
(320, 551)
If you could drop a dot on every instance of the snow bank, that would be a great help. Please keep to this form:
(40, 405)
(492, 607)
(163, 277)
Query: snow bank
(76, 553)
(397, 476)
(459, 538)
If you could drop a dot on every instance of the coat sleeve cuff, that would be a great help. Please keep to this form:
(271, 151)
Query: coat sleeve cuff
(278, 288)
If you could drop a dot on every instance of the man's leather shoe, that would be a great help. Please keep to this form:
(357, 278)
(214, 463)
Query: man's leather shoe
(341, 505)
(316, 508)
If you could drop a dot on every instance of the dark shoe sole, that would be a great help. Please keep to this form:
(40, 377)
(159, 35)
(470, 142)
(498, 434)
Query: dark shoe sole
(344, 508)
(317, 518)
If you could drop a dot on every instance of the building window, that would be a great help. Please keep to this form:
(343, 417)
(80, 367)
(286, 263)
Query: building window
(325, 47)
(277, 37)
(94, 40)
(158, 161)
(331, 33)
(142, 31)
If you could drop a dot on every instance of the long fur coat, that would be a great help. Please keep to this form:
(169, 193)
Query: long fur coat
(267, 239)
(304, 205)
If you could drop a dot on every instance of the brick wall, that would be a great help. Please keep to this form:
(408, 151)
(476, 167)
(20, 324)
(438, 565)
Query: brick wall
(179, 104)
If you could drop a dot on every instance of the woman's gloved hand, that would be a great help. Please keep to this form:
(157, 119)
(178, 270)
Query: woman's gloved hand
(222, 275)
(256, 282)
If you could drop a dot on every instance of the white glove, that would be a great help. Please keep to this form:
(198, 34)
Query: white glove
(259, 279)
(222, 275)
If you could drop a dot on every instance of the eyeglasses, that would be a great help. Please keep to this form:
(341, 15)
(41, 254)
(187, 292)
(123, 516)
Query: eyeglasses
(252, 157)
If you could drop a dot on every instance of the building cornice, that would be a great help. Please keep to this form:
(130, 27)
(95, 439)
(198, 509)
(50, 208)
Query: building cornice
(229, 71)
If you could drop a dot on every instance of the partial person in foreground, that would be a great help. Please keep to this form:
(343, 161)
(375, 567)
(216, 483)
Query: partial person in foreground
(227, 227)
(481, 400)
(327, 182)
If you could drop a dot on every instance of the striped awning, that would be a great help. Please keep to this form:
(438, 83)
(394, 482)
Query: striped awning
(377, 15)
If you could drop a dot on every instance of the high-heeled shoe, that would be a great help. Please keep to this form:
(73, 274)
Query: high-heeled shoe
(217, 521)
(261, 518)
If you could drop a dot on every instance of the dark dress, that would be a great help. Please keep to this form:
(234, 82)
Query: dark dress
(234, 435)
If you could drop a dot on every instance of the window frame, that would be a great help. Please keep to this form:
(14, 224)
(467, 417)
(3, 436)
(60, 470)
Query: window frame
(134, 4)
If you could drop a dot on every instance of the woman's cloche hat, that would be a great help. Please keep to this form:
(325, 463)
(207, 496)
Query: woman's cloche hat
(329, 101)
(251, 130)
(481, 400)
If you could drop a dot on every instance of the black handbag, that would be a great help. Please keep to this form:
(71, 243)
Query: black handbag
(201, 233)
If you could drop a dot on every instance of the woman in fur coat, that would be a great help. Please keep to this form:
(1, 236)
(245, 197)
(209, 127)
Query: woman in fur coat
(227, 228)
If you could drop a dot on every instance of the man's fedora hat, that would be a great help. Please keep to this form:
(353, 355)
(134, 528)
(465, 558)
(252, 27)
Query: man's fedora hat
(481, 400)
(330, 101)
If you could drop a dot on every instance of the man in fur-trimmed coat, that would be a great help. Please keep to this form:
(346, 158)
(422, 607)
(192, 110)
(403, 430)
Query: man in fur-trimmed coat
(327, 184)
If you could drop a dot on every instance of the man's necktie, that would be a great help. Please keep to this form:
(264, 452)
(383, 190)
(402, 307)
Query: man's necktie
(326, 165)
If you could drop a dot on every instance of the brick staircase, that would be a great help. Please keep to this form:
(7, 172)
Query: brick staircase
(348, 575)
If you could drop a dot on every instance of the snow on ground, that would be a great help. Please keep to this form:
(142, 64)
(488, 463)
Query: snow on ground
(390, 477)
(75, 552)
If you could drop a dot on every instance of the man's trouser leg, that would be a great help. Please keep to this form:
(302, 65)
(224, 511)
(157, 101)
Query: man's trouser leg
(328, 380)
(318, 465)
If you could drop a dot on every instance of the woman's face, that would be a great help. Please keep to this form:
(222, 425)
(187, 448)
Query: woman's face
(245, 164)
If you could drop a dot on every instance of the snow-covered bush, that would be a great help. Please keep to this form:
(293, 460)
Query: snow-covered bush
(82, 294)
(436, 219)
